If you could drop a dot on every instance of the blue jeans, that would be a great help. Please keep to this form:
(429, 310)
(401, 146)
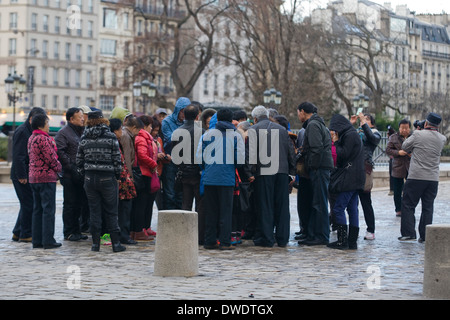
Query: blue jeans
(319, 225)
(44, 207)
(347, 200)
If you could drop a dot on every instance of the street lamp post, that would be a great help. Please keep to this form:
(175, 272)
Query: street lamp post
(361, 101)
(146, 89)
(272, 97)
(13, 85)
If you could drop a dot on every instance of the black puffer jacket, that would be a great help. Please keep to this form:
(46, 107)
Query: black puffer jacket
(349, 150)
(99, 151)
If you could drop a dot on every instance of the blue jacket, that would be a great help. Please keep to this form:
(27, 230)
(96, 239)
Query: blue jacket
(224, 172)
(171, 123)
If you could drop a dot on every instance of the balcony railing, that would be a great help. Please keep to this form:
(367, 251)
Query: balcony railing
(159, 10)
(435, 54)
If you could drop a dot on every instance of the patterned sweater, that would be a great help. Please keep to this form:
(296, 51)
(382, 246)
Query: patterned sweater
(99, 151)
(44, 164)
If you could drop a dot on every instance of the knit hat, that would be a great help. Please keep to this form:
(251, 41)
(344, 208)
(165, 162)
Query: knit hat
(98, 114)
(434, 119)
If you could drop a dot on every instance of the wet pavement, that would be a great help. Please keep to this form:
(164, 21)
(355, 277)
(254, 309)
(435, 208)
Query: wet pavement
(382, 269)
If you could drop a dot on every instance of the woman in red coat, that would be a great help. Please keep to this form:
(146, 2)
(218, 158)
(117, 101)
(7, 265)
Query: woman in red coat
(146, 159)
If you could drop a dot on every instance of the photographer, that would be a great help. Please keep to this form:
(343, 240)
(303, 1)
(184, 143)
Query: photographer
(425, 147)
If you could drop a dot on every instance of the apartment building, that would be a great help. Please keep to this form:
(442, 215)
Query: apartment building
(417, 65)
(53, 44)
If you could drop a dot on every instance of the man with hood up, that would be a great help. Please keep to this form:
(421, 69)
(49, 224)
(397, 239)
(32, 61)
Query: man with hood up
(349, 162)
(171, 198)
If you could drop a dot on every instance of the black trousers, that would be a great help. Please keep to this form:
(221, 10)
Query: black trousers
(369, 215)
(102, 191)
(304, 203)
(142, 212)
(413, 191)
(272, 204)
(125, 207)
(22, 228)
(191, 191)
(218, 204)
(397, 184)
(73, 195)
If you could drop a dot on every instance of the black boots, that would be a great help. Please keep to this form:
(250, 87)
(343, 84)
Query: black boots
(353, 233)
(95, 242)
(342, 238)
(345, 241)
(115, 240)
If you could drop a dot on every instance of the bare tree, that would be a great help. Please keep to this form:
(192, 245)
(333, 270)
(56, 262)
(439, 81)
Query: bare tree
(265, 47)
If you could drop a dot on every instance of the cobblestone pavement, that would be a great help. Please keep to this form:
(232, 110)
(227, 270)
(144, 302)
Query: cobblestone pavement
(381, 269)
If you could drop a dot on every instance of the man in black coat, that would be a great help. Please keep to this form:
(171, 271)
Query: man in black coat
(67, 140)
(318, 162)
(19, 177)
(189, 170)
(271, 178)
(346, 180)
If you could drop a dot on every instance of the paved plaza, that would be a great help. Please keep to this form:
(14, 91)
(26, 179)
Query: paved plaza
(383, 269)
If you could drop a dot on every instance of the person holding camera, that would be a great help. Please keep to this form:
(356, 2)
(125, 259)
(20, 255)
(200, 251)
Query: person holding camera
(425, 147)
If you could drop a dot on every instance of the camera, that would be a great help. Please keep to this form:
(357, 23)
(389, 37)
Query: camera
(419, 124)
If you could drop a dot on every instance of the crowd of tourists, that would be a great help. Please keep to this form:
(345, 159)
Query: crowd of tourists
(234, 169)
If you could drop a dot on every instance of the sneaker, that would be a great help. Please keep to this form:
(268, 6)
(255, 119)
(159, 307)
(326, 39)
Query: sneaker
(407, 238)
(421, 240)
(105, 239)
(369, 236)
(150, 232)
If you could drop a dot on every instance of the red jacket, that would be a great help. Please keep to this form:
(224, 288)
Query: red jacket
(146, 153)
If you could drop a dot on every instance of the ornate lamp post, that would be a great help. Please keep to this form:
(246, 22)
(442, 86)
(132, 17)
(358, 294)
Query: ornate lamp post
(272, 97)
(13, 85)
(146, 89)
(361, 101)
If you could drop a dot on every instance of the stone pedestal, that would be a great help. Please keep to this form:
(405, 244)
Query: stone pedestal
(176, 248)
(436, 278)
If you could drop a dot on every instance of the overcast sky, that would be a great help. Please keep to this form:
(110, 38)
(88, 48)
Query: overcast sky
(419, 6)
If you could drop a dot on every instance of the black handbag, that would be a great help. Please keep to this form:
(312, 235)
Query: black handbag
(138, 178)
(337, 177)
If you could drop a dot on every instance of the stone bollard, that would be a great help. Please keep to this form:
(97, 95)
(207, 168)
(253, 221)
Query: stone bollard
(176, 248)
(436, 278)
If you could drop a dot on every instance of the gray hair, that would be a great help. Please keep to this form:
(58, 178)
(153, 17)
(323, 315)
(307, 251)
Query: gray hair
(260, 111)
(244, 125)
